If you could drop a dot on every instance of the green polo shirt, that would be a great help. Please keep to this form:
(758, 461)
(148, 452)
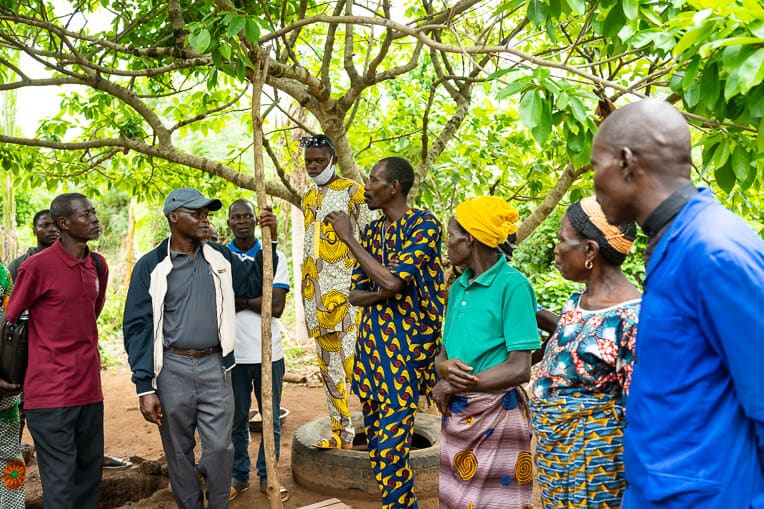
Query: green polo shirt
(490, 316)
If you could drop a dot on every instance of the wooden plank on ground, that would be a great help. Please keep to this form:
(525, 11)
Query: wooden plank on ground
(332, 503)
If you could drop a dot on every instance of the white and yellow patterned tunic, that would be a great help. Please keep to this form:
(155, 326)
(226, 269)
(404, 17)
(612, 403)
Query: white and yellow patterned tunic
(326, 272)
(327, 262)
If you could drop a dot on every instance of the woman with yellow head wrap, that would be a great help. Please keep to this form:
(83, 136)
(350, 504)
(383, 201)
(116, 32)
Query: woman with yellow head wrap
(586, 368)
(489, 332)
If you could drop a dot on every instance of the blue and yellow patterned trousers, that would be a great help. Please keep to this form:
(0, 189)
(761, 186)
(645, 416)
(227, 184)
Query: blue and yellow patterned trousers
(389, 432)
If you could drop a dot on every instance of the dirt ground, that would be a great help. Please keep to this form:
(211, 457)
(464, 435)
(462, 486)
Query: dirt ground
(127, 434)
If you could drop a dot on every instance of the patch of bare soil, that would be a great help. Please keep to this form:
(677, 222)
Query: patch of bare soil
(128, 435)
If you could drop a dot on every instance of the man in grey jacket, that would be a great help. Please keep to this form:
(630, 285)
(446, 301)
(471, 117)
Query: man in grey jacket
(180, 328)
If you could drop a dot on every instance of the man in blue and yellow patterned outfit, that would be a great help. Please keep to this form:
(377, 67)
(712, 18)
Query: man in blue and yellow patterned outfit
(398, 283)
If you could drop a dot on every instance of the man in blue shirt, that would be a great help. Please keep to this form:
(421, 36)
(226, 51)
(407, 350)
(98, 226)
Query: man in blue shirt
(695, 413)
(246, 375)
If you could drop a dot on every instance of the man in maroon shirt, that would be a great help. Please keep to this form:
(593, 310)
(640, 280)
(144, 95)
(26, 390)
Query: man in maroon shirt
(64, 291)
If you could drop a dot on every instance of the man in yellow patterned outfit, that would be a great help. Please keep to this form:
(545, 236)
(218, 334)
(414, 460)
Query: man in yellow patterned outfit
(326, 270)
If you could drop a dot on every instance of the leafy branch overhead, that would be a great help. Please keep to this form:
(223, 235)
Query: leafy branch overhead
(478, 95)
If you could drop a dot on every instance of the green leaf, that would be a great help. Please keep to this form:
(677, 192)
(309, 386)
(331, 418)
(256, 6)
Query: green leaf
(760, 139)
(675, 83)
(757, 28)
(741, 164)
(648, 13)
(500, 72)
(541, 73)
(544, 128)
(692, 95)
(237, 23)
(217, 59)
(537, 11)
(707, 48)
(562, 101)
(643, 38)
(551, 31)
(628, 30)
(514, 87)
(755, 100)
(751, 71)
(613, 22)
(664, 41)
(212, 83)
(709, 86)
(575, 140)
(579, 112)
(707, 158)
(252, 31)
(690, 71)
(201, 40)
(530, 108)
(733, 56)
(555, 9)
(690, 38)
(725, 177)
(731, 86)
(241, 69)
(551, 85)
(631, 8)
(722, 153)
(578, 6)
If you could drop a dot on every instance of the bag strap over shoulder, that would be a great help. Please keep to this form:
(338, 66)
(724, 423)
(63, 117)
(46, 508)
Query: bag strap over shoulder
(97, 262)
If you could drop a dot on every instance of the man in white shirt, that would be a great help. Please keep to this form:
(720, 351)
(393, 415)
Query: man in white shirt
(246, 375)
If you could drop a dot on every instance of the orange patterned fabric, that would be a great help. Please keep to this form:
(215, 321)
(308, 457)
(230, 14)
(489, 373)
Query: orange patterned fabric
(613, 235)
(485, 458)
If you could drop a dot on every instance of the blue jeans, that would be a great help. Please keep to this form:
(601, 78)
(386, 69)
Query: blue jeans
(245, 378)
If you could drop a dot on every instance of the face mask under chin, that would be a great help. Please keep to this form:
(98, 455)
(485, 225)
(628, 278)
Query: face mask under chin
(325, 176)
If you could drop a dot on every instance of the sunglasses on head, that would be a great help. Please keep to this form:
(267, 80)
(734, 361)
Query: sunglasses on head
(317, 141)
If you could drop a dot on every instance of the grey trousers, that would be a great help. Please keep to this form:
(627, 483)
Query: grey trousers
(196, 394)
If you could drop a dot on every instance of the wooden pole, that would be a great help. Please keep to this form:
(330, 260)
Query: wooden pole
(258, 79)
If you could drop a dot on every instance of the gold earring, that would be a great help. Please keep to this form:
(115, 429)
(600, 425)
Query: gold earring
(588, 265)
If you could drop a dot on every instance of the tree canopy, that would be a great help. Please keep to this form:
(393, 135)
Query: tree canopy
(483, 96)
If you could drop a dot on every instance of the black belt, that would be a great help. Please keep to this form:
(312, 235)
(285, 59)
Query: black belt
(193, 353)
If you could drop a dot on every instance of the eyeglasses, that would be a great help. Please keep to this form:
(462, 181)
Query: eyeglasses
(196, 214)
(318, 140)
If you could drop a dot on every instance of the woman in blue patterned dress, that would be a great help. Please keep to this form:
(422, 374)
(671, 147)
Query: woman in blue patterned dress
(12, 468)
(579, 390)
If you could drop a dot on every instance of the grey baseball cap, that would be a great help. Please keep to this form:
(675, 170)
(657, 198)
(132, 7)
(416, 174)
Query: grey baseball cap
(189, 198)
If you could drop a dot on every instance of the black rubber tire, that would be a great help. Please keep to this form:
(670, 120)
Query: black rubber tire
(335, 471)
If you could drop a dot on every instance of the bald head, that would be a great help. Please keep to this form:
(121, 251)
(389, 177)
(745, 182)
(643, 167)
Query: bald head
(640, 155)
(655, 132)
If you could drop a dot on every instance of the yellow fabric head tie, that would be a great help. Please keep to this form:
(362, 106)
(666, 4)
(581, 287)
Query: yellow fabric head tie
(487, 218)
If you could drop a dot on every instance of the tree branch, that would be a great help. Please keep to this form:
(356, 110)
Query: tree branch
(168, 153)
(550, 201)
(207, 113)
